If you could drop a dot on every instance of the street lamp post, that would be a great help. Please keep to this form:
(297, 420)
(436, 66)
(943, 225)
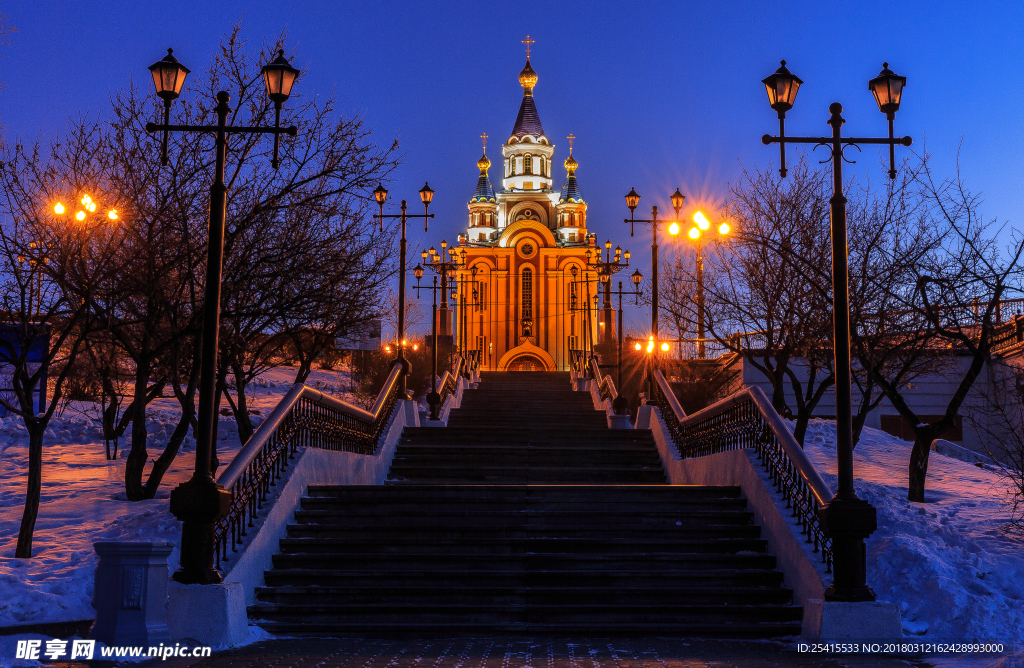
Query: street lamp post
(701, 224)
(632, 200)
(200, 501)
(621, 404)
(380, 194)
(443, 268)
(605, 268)
(848, 519)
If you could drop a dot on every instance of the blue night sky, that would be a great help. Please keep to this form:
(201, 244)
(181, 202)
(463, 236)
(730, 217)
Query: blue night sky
(658, 94)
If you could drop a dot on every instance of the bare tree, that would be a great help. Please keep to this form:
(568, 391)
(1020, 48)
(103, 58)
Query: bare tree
(756, 288)
(45, 325)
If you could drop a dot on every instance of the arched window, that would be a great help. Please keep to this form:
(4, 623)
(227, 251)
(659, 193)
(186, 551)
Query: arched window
(526, 294)
(542, 166)
(512, 166)
(528, 164)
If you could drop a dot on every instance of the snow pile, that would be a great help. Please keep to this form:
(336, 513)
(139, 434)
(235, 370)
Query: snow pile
(954, 573)
(83, 499)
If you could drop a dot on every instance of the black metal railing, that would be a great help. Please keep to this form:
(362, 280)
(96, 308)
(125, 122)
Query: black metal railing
(305, 417)
(450, 380)
(747, 420)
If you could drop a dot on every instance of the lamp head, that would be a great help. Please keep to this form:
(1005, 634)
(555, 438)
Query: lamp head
(380, 194)
(426, 194)
(677, 201)
(632, 199)
(782, 86)
(418, 271)
(168, 77)
(887, 88)
(279, 76)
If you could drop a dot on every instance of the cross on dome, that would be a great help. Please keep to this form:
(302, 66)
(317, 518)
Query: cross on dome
(484, 138)
(528, 42)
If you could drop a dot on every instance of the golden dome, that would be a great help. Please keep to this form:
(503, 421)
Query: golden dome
(571, 165)
(484, 163)
(528, 78)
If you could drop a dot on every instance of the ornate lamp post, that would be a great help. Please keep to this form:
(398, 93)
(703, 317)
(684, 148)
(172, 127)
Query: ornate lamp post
(632, 201)
(443, 268)
(380, 194)
(605, 268)
(848, 519)
(621, 405)
(199, 502)
(701, 225)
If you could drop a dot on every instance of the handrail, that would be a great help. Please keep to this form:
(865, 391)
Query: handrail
(304, 417)
(747, 419)
(450, 381)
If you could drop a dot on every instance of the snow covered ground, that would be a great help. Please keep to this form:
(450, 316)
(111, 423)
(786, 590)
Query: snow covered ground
(946, 562)
(83, 499)
(955, 574)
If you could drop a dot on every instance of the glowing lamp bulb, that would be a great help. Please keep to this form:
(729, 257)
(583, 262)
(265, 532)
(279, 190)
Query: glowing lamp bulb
(415, 346)
(673, 228)
(85, 200)
(650, 346)
(80, 215)
(59, 209)
(664, 347)
(638, 347)
(404, 342)
(701, 221)
(388, 348)
(91, 206)
(694, 233)
(112, 214)
(723, 228)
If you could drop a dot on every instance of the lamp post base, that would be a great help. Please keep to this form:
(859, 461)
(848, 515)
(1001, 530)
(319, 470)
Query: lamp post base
(198, 504)
(848, 522)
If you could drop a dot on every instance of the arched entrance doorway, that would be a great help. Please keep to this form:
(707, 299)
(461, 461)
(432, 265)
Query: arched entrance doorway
(526, 363)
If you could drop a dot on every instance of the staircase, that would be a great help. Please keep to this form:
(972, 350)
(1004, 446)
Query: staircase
(527, 515)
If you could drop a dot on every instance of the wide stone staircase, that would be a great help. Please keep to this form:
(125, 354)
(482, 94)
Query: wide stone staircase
(526, 515)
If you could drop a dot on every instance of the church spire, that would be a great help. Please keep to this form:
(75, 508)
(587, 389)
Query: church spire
(528, 121)
(484, 191)
(570, 190)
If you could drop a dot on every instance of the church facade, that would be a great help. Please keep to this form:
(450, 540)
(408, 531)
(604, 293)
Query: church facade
(526, 294)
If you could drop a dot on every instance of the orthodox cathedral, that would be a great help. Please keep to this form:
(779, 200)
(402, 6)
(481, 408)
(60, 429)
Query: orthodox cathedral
(526, 294)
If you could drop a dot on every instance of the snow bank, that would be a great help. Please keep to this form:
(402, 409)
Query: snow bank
(954, 573)
(83, 499)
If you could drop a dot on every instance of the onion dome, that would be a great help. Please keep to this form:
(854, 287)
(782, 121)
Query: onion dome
(570, 190)
(571, 165)
(528, 121)
(484, 190)
(528, 78)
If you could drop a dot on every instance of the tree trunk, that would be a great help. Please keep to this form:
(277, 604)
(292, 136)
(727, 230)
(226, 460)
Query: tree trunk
(242, 419)
(163, 462)
(803, 417)
(137, 456)
(35, 482)
(919, 464)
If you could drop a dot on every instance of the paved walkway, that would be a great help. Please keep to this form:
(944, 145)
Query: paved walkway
(526, 653)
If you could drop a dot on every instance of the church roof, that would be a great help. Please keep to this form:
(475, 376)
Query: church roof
(484, 191)
(570, 190)
(528, 121)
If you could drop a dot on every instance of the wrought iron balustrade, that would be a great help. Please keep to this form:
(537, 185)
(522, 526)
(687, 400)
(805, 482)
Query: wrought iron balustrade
(747, 420)
(305, 417)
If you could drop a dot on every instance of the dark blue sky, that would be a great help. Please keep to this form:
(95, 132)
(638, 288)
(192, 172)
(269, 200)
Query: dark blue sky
(658, 94)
